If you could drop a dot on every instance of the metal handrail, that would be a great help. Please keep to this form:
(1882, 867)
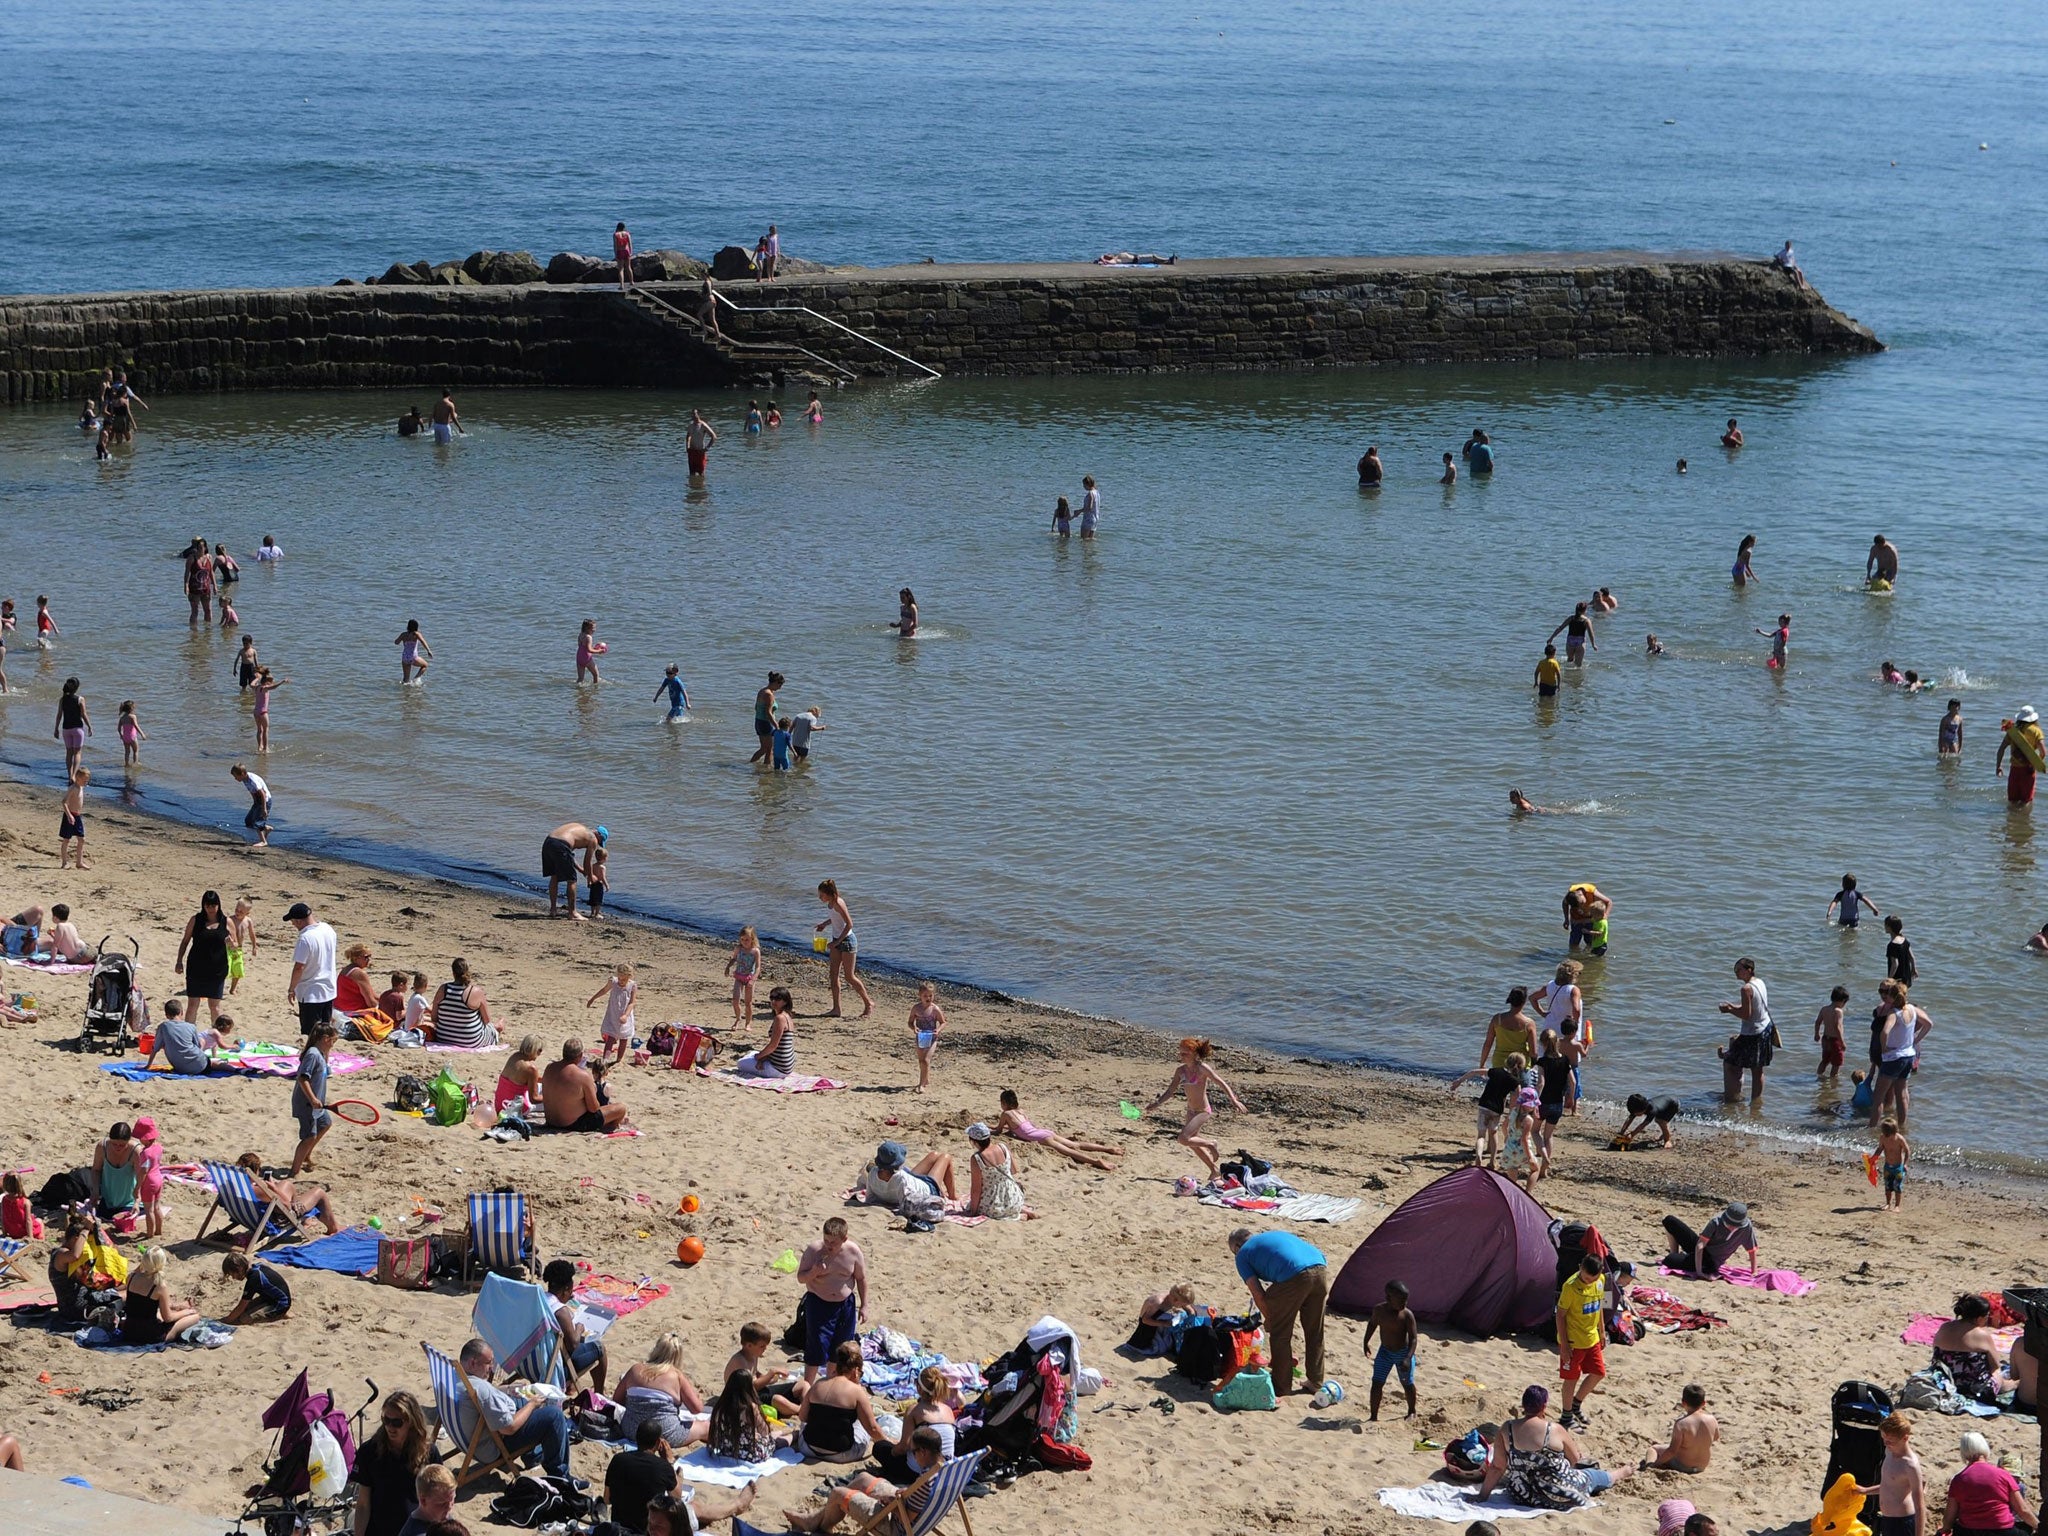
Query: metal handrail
(804, 309)
(702, 330)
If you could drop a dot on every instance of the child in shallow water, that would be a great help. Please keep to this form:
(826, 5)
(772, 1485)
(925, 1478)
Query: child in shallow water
(130, 733)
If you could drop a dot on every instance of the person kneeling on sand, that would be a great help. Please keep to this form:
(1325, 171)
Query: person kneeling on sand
(569, 1096)
(1693, 1434)
(265, 1296)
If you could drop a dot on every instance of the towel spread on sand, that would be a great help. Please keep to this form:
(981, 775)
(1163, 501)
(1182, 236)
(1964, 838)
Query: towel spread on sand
(270, 1061)
(205, 1335)
(1447, 1501)
(1330, 1208)
(1787, 1282)
(700, 1466)
(1662, 1312)
(796, 1082)
(52, 967)
(621, 1298)
(352, 1251)
(1922, 1328)
(956, 1210)
(28, 1296)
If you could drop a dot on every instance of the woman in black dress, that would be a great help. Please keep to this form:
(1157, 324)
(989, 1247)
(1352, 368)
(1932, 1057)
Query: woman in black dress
(203, 957)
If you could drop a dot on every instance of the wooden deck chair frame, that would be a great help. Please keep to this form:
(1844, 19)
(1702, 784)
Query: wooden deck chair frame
(11, 1250)
(484, 1432)
(884, 1521)
(260, 1235)
(472, 1255)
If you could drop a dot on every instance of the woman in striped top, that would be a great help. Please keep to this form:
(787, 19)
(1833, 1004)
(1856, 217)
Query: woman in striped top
(460, 1015)
(776, 1058)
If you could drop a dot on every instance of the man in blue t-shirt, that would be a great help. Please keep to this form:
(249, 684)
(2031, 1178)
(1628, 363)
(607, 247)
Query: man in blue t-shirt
(1479, 452)
(1288, 1278)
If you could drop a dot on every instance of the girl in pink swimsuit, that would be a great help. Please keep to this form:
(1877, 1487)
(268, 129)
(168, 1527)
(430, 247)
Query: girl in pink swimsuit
(265, 686)
(1011, 1122)
(588, 649)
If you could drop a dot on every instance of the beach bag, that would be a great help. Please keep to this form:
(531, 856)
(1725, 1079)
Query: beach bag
(1465, 1459)
(688, 1043)
(1245, 1353)
(405, 1262)
(60, 1190)
(661, 1040)
(1248, 1391)
(1060, 1457)
(373, 1025)
(412, 1093)
(1931, 1391)
(451, 1103)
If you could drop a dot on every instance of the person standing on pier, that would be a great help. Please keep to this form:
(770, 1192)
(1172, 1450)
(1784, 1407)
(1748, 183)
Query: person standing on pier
(622, 253)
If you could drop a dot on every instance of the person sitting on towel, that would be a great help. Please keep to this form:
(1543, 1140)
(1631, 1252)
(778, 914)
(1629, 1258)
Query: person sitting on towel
(568, 1093)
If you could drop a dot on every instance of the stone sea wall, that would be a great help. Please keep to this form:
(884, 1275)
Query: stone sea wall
(1017, 320)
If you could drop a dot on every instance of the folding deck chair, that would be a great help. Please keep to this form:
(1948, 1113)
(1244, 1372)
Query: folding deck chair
(517, 1319)
(923, 1504)
(497, 1228)
(452, 1389)
(11, 1250)
(234, 1194)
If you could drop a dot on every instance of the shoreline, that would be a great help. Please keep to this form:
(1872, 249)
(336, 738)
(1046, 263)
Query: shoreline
(1963, 1166)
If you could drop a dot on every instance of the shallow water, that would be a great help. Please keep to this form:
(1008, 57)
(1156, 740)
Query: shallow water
(1242, 767)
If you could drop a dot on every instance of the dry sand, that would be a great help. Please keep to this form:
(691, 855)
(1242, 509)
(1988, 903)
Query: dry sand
(768, 1170)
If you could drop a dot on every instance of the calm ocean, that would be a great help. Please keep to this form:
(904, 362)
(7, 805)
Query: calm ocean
(1241, 767)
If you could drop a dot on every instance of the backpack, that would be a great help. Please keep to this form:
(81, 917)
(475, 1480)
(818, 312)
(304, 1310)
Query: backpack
(535, 1500)
(1244, 1167)
(60, 1190)
(451, 1104)
(413, 1094)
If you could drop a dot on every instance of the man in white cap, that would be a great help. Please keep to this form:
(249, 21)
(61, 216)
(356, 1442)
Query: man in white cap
(2023, 740)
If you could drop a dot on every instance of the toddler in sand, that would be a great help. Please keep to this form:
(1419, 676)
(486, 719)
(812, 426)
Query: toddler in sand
(743, 967)
(1893, 1153)
(927, 1018)
(618, 993)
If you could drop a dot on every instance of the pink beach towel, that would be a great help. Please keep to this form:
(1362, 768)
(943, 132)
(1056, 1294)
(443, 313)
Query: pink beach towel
(53, 967)
(1786, 1282)
(796, 1082)
(619, 1297)
(1922, 1328)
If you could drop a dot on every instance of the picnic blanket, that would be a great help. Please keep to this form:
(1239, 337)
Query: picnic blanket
(206, 1335)
(258, 1061)
(1447, 1501)
(1787, 1282)
(352, 1251)
(52, 967)
(700, 1466)
(1330, 1208)
(1662, 1312)
(796, 1082)
(621, 1298)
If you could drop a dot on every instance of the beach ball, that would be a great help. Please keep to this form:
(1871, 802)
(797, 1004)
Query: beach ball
(1328, 1395)
(690, 1250)
(690, 1205)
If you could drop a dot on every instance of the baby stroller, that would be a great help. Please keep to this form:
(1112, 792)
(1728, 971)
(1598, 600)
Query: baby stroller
(304, 1491)
(1857, 1448)
(111, 999)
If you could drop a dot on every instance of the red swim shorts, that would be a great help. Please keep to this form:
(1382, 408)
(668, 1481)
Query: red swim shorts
(697, 458)
(1831, 1052)
(1584, 1362)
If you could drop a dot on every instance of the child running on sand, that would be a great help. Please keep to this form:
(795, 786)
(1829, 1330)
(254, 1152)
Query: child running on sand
(1194, 1077)
(71, 823)
(413, 654)
(1893, 1154)
(1396, 1327)
(264, 687)
(1901, 1492)
(1827, 1033)
(1011, 1122)
(678, 695)
(618, 992)
(927, 1018)
(743, 968)
(130, 733)
(588, 649)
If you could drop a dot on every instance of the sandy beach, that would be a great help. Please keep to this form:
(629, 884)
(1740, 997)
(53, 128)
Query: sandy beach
(768, 1170)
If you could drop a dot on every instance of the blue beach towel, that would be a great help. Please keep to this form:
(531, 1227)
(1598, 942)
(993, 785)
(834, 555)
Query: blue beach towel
(349, 1252)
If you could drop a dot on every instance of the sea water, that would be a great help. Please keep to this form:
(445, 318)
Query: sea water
(1240, 767)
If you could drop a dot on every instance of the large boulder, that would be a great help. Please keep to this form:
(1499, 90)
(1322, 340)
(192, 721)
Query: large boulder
(666, 266)
(398, 275)
(508, 267)
(475, 262)
(573, 267)
(732, 263)
(450, 275)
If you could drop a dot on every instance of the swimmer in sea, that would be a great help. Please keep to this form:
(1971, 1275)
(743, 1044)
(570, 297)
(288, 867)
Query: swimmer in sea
(1091, 506)
(1949, 741)
(906, 613)
(1450, 474)
(1062, 518)
(412, 648)
(245, 663)
(1604, 601)
(1780, 638)
(678, 696)
(814, 413)
(774, 415)
(1732, 438)
(1548, 674)
(1194, 1076)
(1520, 804)
(1653, 646)
(263, 687)
(1681, 466)
(1370, 470)
(1578, 634)
(753, 416)
(1744, 573)
(2039, 942)
(1882, 563)
(588, 649)
(1889, 674)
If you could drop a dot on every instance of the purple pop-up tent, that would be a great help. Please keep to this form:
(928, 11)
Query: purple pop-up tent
(1473, 1250)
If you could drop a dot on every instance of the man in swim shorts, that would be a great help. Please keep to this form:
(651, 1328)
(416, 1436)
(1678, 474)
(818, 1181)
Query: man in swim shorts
(568, 1095)
(698, 441)
(447, 420)
(1882, 563)
(558, 851)
(834, 1275)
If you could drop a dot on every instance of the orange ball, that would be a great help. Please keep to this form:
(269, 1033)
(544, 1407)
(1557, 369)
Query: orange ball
(690, 1250)
(691, 1205)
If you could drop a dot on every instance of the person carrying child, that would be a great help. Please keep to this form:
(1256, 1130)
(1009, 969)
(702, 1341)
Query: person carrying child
(1396, 1326)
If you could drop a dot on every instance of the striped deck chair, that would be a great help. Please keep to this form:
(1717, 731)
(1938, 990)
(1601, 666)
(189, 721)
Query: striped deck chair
(233, 1194)
(925, 1502)
(11, 1250)
(497, 1224)
(517, 1319)
(452, 1392)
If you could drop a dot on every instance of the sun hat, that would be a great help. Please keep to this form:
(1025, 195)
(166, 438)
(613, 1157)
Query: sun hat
(145, 1130)
(2026, 716)
(978, 1132)
(1672, 1515)
(1735, 1210)
(890, 1155)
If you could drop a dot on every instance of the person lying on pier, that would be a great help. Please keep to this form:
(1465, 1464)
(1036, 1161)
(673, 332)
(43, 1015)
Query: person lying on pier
(1134, 259)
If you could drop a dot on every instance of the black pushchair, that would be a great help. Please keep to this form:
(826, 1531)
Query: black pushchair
(1857, 1448)
(285, 1503)
(112, 999)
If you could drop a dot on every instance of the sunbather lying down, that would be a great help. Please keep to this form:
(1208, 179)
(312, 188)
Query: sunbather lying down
(1133, 259)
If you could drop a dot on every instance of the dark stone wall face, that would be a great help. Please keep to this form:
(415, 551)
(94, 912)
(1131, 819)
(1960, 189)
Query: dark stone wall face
(540, 336)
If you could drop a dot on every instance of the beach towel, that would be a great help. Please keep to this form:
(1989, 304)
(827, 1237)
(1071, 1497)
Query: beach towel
(28, 1296)
(796, 1082)
(1662, 1312)
(517, 1319)
(53, 967)
(956, 1210)
(349, 1252)
(1447, 1501)
(263, 1060)
(1787, 1282)
(207, 1335)
(1922, 1328)
(620, 1298)
(893, 1362)
(1329, 1208)
(700, 1466)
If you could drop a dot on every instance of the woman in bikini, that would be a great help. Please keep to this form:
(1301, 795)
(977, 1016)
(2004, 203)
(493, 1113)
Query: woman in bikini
(1093, 1154)
(1195, 1077)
